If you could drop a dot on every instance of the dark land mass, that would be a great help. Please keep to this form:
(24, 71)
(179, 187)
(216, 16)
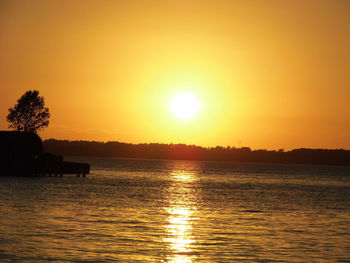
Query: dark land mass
(22, 154)
(193, 152)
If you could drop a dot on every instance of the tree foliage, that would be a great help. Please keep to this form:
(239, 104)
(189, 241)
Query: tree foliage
(29, 114)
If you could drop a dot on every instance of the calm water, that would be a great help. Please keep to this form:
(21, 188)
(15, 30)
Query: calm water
(178, 211)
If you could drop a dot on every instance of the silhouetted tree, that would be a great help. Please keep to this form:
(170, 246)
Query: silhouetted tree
(29, 114)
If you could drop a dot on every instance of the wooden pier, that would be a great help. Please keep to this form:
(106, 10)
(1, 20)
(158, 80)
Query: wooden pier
(61, 168)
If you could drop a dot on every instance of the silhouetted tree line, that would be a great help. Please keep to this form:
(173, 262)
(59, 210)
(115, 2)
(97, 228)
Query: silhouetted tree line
(193, 152)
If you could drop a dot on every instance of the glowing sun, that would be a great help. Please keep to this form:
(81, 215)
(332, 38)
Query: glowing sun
(185, 105)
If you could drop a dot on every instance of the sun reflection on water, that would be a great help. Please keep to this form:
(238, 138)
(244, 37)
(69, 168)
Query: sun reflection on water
(183, 176)
(180, 217)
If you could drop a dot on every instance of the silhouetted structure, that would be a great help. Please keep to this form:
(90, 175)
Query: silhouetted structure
(192, 152)
(18, 151)
(21, 154)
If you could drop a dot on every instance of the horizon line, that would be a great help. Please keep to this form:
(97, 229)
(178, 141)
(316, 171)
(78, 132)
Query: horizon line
(200, 146)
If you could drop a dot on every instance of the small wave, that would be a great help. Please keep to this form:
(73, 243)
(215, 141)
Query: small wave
(252, 211)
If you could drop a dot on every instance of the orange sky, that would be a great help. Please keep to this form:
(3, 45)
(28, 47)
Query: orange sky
(268, 74)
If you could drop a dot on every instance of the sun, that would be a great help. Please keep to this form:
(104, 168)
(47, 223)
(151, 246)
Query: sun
(185, 105)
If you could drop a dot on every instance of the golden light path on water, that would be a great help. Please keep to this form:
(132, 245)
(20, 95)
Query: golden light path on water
(181, 211)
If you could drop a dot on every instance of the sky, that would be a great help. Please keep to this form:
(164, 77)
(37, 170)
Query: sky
(266, 74)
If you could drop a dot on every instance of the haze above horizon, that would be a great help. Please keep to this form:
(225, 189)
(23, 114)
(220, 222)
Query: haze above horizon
(265, 74)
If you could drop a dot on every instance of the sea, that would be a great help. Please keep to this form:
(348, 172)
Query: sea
(130, 210)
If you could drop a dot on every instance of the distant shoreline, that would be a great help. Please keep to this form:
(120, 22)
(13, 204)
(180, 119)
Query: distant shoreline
(196, 153)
